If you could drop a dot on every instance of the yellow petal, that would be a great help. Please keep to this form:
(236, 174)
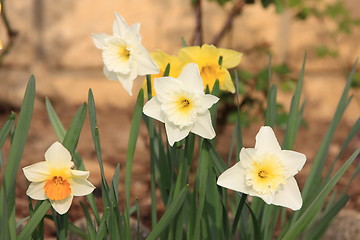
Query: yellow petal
(227, 83)
(231, 58)
(191, 54)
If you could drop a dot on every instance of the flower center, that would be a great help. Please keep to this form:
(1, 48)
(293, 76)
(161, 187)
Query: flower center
(184, 105)
(124, 53)
(266, 175)
(57, 188)
(181, 108)
(262, 174)
(209, 74)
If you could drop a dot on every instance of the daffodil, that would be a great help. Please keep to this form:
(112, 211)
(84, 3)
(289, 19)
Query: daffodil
(162, 60)
(182, 105)
(123, 54)
(54, 179)
(213, 64)
(267, 172)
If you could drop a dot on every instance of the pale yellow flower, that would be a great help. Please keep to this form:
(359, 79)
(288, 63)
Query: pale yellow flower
(54, 179)
(207, 58)
(123, 54)
(267, 172)
(182, 105)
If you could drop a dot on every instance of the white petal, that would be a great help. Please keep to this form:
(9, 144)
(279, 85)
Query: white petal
(119, 26)
(36, 191)
(132, 36)
(234, 179)
(164, 85)
(208, 100)
(289, 196)
(247, 156)
(58, 156)
(190, 76)
(127, 80)
(135, 28)
(109, 74)
(37, 172)
(267, 198)
(203, 126)
(81, 174)
(146, 64)
(174, 133)
(153, 109)
(81, 186)
(266, 140)
(62, 206)
(100, 39)
(293, 161)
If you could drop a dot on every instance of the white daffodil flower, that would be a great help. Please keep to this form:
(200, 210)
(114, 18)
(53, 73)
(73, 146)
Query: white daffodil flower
(54, 179)
(182, 105)
(267, 172)
(123, 54)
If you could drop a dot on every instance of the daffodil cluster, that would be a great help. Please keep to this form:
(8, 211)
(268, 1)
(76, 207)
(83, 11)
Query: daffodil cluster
(213, 64)
(180, 103)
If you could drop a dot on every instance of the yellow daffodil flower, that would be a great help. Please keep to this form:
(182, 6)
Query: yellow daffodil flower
(162, 60)
(267, 172)
(207, 57)
(54, 179)
(182, 105)
(123, 54)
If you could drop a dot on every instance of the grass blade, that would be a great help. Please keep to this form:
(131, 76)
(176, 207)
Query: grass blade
(72, 135)
(96, 136)
(291, 128)
(34, 220)
(314, 178)
(16, 151)
(169, 214)
(311, 212)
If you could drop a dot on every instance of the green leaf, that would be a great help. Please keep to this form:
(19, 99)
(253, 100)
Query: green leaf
(78, 231)
(270, 116)
(55, 121)
(323, 223)
(16, 151)
(5, 130)
(315, 206)
(256, 225)
(89, 222)
(96, 137)
(34, 220)
(134, 132)
(314, 178)
(72, 135)
(201, 186)
(101, 233)
(291, 129)
(169, 214)
(238, 213)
